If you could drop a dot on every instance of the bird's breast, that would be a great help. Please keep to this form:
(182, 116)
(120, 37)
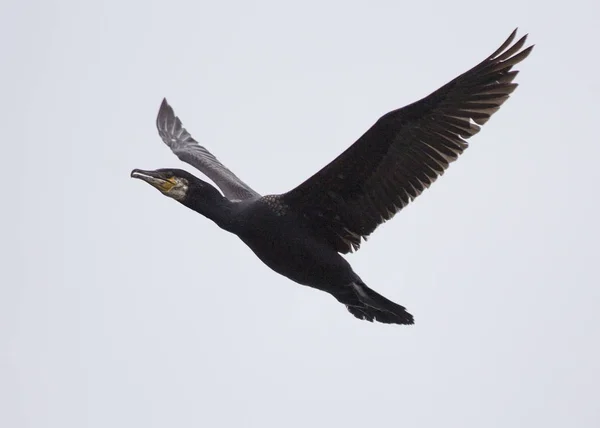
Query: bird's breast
(291, 250)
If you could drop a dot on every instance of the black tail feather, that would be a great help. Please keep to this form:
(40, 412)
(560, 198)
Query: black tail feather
(366, 304)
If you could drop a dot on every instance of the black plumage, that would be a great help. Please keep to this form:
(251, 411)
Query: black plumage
(300, 234)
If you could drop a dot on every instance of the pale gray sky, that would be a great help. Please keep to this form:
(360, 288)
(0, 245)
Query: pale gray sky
(121, 308)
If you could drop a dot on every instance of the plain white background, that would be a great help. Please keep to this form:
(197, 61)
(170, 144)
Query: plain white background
(121, 308)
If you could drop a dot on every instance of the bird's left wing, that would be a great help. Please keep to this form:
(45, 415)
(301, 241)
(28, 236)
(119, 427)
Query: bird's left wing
(403, 152)
(187, 149)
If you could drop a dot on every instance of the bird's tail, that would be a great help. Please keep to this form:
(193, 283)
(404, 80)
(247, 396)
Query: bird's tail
(366, 304)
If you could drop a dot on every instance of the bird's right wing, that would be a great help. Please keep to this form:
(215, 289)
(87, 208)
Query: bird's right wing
(187, 149)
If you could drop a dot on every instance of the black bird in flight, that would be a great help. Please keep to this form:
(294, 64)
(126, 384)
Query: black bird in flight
(300, 234)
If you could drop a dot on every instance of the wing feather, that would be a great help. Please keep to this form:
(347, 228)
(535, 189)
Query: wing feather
(404, 152)
(187, 149)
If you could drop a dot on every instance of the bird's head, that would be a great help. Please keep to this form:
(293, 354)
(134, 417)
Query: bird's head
(179, 185)
(190, 191)
(170, 182)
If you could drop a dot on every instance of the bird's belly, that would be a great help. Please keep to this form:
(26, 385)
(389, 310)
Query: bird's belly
(303, 261)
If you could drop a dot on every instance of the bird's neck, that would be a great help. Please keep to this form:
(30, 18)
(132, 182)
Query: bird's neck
(220, 210)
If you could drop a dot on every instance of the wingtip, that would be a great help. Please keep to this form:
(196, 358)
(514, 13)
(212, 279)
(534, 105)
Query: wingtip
(526, 52)
(164, 112)
(523, 38)
(164, 103)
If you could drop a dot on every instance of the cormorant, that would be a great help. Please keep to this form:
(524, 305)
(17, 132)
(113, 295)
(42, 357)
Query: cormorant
(300, 234)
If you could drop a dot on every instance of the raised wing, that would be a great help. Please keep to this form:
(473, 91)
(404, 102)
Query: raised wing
(187, 149)
(404, 152)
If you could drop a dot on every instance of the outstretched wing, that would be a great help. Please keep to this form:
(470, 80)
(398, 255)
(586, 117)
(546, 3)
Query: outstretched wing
(404, 152)
(187, 149)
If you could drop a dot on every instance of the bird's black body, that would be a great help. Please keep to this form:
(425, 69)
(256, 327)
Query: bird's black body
(301, 234)
(285, 242)
(288, 246)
